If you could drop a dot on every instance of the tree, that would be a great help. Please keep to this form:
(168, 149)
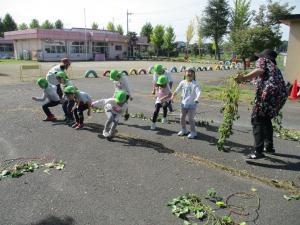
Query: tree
(189, 36)
(47, 25)
(22, 26)
(169, 38)
(132, 39)
(241, 16)
(215, 21)
(8, 23)
(95, 26)
(34, 24)
(157, 38)
(199, 35)
(1, 29)
(58, 24)
(146, 31)
(120, 29)
(110, 27)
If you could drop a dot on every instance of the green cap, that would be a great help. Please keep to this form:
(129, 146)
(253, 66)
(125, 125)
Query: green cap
(162, 80)
(114, 74)
(42, 82)
(120, 96)
(158, 68)
(70, 90)
(62, 75)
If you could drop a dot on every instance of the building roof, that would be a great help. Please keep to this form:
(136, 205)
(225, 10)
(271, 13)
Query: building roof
(75, 34)
(290, 18)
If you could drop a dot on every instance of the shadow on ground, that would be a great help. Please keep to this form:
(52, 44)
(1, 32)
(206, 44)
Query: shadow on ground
(53, 220)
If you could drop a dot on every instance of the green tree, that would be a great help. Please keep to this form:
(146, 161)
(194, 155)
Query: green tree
(157, 38)
(8, 23)
(58, 24)
(199, 35)
(132, 39)
(111, 27)
(95, 26)
(189, 35)
(1, 29)
(34, 24)
(22, 26)
(47, 25)
(146, 31)
(120, 29)
(241, 15)
(215, 21)
(169, 38)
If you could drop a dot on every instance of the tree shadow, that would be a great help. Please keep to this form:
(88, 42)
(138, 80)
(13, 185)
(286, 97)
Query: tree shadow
(159, 130)
(53, 220)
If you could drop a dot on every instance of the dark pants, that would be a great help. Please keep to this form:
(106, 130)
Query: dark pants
(78, 112)
(262, 132)
(59, 91)
(67, 107)
(47, 105)
(157, 108)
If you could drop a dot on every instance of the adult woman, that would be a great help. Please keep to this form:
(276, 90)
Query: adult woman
(270, 96)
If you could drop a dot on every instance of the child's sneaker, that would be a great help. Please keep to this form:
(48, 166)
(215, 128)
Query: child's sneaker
(153, 126)
(75, 125)
(105, 134)
(192, 135)
(164, 120)
(182, 133)
(50, 118)
(79, 126)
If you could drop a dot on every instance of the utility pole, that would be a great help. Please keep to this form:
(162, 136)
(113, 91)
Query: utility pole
(128, 14)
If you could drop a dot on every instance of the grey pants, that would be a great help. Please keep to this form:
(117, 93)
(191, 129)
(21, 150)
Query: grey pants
(111, 123)
(191, 113)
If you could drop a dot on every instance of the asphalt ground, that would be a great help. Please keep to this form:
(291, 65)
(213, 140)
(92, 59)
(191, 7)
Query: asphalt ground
(130, 179)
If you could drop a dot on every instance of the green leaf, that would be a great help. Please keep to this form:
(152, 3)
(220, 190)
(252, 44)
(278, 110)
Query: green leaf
(5, 173)
(221, 204)
(287, 197)
(16, 174)
(243, 223)
(47, 171)
(185, 222)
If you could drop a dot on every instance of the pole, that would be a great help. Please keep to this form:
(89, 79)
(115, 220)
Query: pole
(85, 42)
(128, 14)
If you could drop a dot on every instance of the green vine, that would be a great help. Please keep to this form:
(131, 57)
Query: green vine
(230, 97)
(282, 132)
(193, 209)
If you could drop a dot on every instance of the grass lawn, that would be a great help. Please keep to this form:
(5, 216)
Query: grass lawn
(15, 61)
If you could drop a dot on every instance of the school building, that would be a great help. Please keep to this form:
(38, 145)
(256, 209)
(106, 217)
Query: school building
(6, 49)
(77, 44)
(292, 70)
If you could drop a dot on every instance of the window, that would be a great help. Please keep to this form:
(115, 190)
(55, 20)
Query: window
(55, 47)
(6, 48)
(79, 47)
(118, 48)
(100, 47)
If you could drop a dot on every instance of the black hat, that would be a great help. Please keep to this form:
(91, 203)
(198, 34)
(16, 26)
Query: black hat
(267, 53)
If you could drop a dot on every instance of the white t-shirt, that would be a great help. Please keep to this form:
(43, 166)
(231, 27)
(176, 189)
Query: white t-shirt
(49, 94)
(190, 93)
(166, 73)
(51, 76)
(83, 97)
(122, 85)
(110, 104)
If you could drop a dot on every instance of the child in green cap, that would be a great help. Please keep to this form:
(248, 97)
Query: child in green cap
(113, 107)
(50, 97)
(163, 94)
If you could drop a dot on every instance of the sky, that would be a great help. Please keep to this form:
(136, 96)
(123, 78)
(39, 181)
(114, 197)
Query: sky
(177, 14)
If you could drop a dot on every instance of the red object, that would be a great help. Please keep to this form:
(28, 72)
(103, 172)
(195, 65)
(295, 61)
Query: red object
(75, 125)
(50, 118)
(294, 92)
(79, 126)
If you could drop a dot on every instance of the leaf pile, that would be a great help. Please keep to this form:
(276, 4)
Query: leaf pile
(19, 170)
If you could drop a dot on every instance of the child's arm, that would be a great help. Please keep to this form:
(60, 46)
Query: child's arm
(166, 96)
(89, 108)
(99, 101)
(198, 93)
(39, 99)
(179, 87)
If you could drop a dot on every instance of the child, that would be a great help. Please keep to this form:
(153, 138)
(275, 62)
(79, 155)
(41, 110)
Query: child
(113, 107)
(67, 104)
(51, 75)
(158, 69)
(83, 102)
(189, 100)
(163, 94)
(50, 95)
